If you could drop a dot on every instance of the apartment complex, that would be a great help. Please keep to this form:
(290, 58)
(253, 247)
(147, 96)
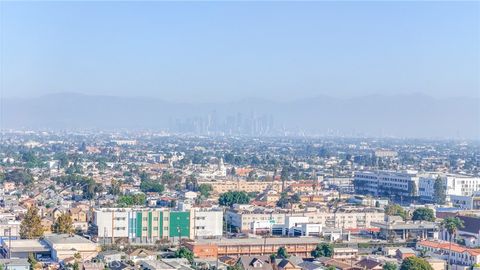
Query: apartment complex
(148, 225)
(460, 255)
(250, 219)
(455, 185)
(404, 183)
(242, 185)
(209, 249)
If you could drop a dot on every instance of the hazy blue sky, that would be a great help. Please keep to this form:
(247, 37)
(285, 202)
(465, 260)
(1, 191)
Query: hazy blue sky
(216, 51)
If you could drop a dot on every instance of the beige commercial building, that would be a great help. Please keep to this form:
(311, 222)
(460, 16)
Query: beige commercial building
(242, 185)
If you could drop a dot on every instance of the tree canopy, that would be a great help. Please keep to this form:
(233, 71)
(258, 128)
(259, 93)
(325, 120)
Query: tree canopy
(395, 210)
(130, 200)
(439, 192)
(232, 197)
(185, 253)
(63, 224)
(282, 253)
(423, 213)
(322, 250)
(205, 190)
(415, 263)
(390, 266)
(31, 226)
(452, 224)
(19, 176)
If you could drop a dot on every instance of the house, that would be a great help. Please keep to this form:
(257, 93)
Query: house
(342, 265)
(369, 263)
(111, 256)
(142, 254)
(78, 214)
(313, 265)
(403, 253)
(286, 264)
(165, 264)
(255, 263)
(47, 224)
(345, 253)
(28, 203)
(93, 266)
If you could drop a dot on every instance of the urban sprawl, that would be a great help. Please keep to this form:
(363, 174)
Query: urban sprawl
(156, 201)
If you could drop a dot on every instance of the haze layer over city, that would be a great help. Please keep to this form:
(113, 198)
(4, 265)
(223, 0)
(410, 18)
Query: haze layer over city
(211, 135)
(382, 69)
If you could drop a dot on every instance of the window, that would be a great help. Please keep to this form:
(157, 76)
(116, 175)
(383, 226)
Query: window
(155, 228)
(145, 218)
(155, 218)
(145, 229)
(165, 228)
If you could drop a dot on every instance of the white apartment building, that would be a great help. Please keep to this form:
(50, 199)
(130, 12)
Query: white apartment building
(459, 255)
(113, 222)
(249, 220)
(402, 183)
(207, 223)
(147, 225)
(458, 185)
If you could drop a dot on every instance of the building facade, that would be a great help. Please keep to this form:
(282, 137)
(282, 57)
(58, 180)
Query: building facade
(455, 185)
(387, 183)
(148, 225)
(253, 220)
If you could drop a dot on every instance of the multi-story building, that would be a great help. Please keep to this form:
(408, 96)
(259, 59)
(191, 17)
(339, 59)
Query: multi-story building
(209, 249)
(457, 185)
(459, 255)
(249, 219)
(404, 183)
(148, 225)
(220, 187)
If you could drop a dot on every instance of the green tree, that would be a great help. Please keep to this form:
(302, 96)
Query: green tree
(91, 188)
(423, 213)
(439, 193)
(395, 210)
(205, 190)
(232, 197)
(185, 253)
(331, 267)
(32, 261)
(151, 186)
(282, 253)
(415, 263)
(135, 199)
(63, 224)
(390, 266)
(19, 176)
(322, 250)
(115, 187)
(31, 226)
(451, 225)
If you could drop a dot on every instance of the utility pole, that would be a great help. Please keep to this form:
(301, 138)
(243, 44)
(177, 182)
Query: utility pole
(9, 242)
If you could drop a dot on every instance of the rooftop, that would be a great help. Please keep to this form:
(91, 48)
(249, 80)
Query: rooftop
(259, 241)
(67, 239)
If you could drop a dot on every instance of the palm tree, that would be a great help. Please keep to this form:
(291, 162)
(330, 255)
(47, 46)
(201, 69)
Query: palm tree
(451, 224)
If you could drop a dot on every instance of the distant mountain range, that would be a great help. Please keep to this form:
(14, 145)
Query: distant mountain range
(375, 115)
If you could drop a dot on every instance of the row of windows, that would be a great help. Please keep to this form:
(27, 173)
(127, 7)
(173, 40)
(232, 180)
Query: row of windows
(154, 228)
(155, 218)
